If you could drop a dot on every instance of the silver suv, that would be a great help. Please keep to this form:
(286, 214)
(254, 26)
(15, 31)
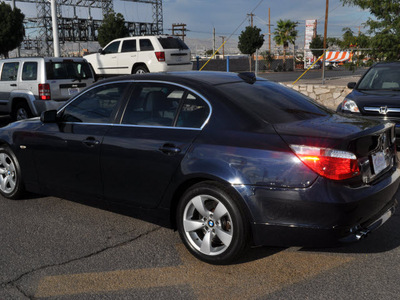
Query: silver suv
(31, 85)
(141, 54)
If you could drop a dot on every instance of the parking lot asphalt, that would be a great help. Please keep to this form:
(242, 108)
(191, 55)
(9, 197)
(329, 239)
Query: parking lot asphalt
(57, 249)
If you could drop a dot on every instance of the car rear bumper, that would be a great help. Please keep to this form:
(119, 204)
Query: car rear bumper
(166, 67)
(43, 105)
(325, 213)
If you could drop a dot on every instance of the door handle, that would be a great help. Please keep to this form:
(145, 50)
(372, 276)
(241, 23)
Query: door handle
(13, 84)
(169, 149)
(91, 142)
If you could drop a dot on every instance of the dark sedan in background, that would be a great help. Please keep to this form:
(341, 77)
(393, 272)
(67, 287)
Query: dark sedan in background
(229, 160)
(376, 94)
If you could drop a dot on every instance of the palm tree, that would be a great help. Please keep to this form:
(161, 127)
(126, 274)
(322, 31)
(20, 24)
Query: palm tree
(284, 34)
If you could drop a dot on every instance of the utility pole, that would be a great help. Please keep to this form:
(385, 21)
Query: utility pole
(56, 42)
(251, 18)
(269, 30)
(223, 46)
(325, 33)
(181, 28)
(213, 41)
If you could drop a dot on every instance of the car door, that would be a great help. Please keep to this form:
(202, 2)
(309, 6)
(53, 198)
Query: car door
(67, 152)
(128, 56)
(141, 154)
(107, 60)
(8, 83)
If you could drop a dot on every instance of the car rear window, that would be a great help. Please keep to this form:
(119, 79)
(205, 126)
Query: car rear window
(172, 43)
(272, 102)
(68, 70)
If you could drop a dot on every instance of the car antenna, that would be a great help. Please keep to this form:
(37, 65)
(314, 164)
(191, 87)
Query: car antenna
(248, 77)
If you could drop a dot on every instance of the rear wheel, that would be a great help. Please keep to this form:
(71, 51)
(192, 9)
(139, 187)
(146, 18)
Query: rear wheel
(140, 70)
(21, 111)
(10, 175)
(211, 225)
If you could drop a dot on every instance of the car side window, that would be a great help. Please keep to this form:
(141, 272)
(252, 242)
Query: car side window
(146, 45)
(128, 46)
(194, 112)
(153, 104)
(112, 48)
(94, 106)
(10, 71)
(29, 70)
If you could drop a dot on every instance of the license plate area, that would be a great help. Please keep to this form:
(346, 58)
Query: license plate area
(379, 162)
(73, 91)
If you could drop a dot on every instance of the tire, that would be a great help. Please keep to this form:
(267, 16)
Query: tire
(10, 175)
(21, 111)
(211, 224)
(140, 70)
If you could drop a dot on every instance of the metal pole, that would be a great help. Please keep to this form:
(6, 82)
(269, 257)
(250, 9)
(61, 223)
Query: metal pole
(256, 67)
(56, 42)
(325, 33)
(227, 63)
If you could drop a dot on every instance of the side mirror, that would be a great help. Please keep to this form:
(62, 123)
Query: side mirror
(49, 116)
(351, 85)
(100, 51)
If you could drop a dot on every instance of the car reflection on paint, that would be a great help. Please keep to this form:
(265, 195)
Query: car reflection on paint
(229, 160)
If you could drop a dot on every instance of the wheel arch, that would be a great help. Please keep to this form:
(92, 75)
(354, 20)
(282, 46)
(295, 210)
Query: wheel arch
(218, 182)
(139, 64)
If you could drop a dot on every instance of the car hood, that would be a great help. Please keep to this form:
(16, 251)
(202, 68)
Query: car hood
(332, 131)
(375, 98)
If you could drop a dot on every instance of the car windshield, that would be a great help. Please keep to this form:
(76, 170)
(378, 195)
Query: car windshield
(272, 102)
(381, 78)
(172, 43)
(68, 70)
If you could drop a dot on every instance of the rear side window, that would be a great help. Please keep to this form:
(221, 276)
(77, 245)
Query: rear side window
(68, 70)
(272, 102)
(10, 71)
(172, 43)
(146, 45)
(128, 46)
(29, 70)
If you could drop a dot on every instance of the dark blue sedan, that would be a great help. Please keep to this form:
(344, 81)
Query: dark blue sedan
(229, 160)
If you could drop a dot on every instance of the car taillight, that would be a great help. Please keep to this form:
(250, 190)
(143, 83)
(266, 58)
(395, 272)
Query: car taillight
(160, 56)
(329, 163)
(44, 91)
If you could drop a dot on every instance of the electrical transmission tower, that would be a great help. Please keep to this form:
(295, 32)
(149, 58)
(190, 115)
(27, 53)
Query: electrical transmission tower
(77, 29)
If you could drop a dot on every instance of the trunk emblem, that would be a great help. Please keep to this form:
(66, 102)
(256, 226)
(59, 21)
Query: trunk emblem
(383, 110)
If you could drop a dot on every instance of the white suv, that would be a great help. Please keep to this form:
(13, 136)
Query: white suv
(141, 54)
(31, 85)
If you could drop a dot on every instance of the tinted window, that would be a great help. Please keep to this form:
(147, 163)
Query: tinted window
(272, 102)
(94, 106)
(10, 71)
(68, 70)
(381, 78)
(112, 48)
(29, 71)
(194, 112)
(172, 43)
(145, 45)
(153, 104)
(128, 46)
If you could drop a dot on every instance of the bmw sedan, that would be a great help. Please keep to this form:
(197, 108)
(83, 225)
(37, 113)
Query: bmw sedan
(229, 160)
(376, 94)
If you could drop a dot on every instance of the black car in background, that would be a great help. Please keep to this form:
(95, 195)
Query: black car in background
(229, 160)
(376, 94)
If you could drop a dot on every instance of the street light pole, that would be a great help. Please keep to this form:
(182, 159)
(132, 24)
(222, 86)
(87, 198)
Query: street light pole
(325, 32)
(56, 42)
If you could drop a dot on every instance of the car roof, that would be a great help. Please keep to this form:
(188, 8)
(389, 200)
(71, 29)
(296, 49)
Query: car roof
(206, 77)
(387, 63)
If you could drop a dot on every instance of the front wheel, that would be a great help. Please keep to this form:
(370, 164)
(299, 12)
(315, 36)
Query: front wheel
(10, 175)
(211, 225)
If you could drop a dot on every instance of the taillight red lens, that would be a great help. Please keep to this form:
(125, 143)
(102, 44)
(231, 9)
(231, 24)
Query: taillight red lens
(329, 163)
(160, 56)
(44, 91)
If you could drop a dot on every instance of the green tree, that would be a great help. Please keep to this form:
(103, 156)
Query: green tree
(12, 29)
(250, 40)
(316, 44)
(384, 27)
(113, 27)
(285, 34)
